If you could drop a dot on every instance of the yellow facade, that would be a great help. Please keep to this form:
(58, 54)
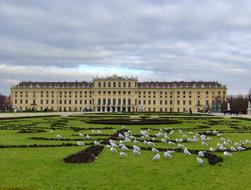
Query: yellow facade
(116, 94)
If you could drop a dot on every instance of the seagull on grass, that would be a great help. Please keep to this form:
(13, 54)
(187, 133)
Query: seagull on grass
(136, 152)
(113, 150)
(167, 154)
(155, 150)
(156, 157)
(200, 161)
(124, 148)
(122, 154)
(186, 152)
(227, 154)
(96, 143)
(80, 143)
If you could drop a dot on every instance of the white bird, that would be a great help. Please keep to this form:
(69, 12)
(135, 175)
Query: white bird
(136, 152)
(189, 140)
(155, 150)
(170, 142)
(204, 143)
(136, 147)
(223, 148)
(215, 132)
(136, 142)
(121, 143)
(124, 148)
(151, 143)
(122, 154)
(233, 149)
(240, 148)
(200, 154)
(247, 142)
(121, 136)
(159, 134)
(59, 137)
(212, 149)
(156, 157)
(186, 152)
(113, 150)
(127, 139)
(171, 132)
(227, 154)
(163, 140)
(111, 141)
(181, 146)
(168, 154)
(166, 136)
(170, 151)
(99, 132)
(88, 136)
(200, 161)
(237, 144)
(114, 145)
(81, 135)
(79, 143)
(96, 143)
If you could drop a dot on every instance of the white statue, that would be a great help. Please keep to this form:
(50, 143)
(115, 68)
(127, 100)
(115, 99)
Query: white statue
(228, 106)
(249, 108)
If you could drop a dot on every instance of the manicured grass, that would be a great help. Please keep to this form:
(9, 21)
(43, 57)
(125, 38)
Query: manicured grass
(43, 168)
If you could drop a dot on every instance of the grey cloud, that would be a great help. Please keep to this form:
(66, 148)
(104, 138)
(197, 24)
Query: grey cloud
(172, 40)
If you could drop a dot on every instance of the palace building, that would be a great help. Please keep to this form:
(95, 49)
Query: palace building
(119, 94)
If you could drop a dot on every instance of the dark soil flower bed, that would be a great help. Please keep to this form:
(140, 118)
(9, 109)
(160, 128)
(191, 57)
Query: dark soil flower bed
(38, 145)
(212, 158)
(90, 128)
(140, 121)
(32, 131)
(98, 135)
(85, 156)
(64, 139)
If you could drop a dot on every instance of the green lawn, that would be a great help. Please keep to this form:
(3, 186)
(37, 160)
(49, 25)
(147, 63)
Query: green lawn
(43, 168)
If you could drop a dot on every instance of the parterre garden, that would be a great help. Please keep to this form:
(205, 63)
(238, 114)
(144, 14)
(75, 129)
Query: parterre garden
(125, 152)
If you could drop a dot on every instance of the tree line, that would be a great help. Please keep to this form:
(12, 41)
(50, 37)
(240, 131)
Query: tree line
(5, 102)
(239, 103)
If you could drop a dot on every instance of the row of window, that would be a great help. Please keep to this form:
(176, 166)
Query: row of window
(60, 92)
(108, 101)
(115, 84)
(52, 101)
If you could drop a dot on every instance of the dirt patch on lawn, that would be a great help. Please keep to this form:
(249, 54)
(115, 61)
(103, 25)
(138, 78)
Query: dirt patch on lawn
(85, 156)
(212, 158)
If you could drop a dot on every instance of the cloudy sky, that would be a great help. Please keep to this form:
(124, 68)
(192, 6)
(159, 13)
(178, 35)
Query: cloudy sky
(66, 40)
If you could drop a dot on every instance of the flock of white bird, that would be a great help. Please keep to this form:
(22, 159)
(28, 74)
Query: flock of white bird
(224, 145)
(165, 137)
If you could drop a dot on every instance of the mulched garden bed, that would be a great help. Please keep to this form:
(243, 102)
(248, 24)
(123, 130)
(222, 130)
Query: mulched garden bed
(85, 156)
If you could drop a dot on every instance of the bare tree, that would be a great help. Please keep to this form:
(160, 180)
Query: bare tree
(5, 102)
(238, 103)
(249, 95)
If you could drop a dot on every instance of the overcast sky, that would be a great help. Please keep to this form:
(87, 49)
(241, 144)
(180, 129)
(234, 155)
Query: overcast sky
(66, 40)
